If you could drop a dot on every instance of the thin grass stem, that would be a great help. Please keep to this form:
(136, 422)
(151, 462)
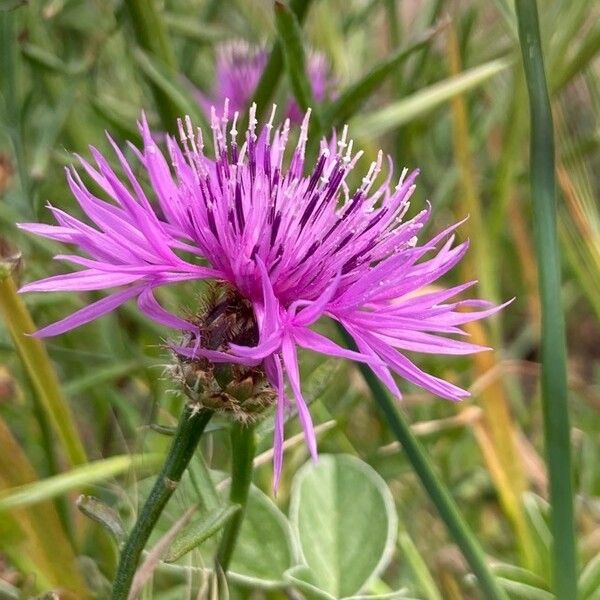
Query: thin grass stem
(553, 352)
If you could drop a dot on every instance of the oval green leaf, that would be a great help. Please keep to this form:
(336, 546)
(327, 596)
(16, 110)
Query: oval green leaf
(265, 549)
(346, 522)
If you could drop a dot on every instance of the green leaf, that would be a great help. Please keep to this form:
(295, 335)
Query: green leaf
(54, 125)
(401, 594)
(535, 509)
(96, 510)
(163, 79)
(589, 580)
(303, 579)
(351, 99)
(41, 57)
(519, 575)
(420, 103)
(119, 115)
(199, 32)
(200, 530)
(524, 591)
(344, 515)
(76, 478)
(265, 548)
(11, 4)
(290, 36)
(266, 86)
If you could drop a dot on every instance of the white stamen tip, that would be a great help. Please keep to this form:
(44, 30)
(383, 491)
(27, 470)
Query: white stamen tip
(252, 122)
(233, 131)
(272, 117)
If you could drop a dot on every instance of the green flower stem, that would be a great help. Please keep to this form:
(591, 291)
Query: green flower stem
(242, 455)
(150, 32)
(437, 491)
(186, 438)
(553, 353)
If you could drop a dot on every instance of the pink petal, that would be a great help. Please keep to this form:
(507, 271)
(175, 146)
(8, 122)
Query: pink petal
(81, 281)
(318, 343)
(290, 360)
(88, 313)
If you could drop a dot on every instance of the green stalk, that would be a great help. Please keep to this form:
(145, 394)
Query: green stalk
(186, 438)
(265, 89)
(242, 455)
(151, 35)
(39, 369)
(437, 491)
(553, 353)
(290, 38)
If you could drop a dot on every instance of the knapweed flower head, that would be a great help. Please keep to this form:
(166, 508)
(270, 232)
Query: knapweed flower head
(291, 244)
(239, 66)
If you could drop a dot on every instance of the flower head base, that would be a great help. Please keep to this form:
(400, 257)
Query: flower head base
(242, 392)
(239, 66)
(295, 247)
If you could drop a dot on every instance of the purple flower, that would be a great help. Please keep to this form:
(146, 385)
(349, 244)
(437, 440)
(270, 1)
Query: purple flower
(295, 247)
(239, 67)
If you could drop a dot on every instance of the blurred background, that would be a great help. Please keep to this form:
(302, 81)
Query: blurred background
(447, 96)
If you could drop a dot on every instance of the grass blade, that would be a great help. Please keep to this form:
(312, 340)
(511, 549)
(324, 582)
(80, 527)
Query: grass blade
(420, 103)
(162, 80)
(79, 477)
(272, 72)
(151, 35)
(553, 353)
(587, 51)
(290, 37)
(9, 69)
(411, 555)
(351, 99)
(102, 376)
(40, 370)
(199, 33)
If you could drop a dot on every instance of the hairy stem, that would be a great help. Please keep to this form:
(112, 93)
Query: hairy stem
(186, 438)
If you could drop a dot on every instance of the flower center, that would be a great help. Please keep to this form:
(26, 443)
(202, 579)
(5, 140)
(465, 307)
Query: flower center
(228, 318)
